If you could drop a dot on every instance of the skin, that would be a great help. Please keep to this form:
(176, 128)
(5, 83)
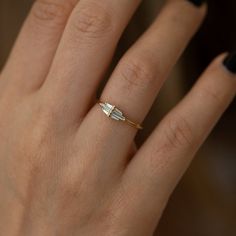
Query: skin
(67, 169)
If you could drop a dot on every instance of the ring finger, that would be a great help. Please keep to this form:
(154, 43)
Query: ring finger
(141, 73)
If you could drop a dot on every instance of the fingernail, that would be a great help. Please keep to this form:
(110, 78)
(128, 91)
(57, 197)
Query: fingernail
(197, 3)
(230, 62)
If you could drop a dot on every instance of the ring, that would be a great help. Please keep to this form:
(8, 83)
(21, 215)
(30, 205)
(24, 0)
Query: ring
(114, 113)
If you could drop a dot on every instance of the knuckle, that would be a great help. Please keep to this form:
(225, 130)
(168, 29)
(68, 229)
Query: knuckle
(42, 126)
(138, 73)
(92, 21)
(41, 134)
(212, 95)
(177, 132)
(48, 118)
(50, 12)
(45, 116)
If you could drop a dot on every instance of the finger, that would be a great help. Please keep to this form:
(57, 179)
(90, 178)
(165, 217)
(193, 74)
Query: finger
(35, 47)
(141, 73)
(87, 46)
(155, 170)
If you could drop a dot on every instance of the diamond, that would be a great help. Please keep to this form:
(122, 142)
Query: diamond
(112, 111)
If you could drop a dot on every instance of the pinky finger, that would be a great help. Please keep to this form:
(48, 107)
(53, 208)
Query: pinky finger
(162, 160)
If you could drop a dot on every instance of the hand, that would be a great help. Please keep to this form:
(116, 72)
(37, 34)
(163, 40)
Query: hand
(66, 168)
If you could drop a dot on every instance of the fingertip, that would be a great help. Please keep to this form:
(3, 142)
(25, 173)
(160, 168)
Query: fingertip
(220, 76)
(229, 62)
(197, 3)
(201, 5)
(226, 63)
(218, 65)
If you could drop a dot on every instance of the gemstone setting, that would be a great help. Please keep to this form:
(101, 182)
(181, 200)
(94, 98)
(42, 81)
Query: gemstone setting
(112, 111)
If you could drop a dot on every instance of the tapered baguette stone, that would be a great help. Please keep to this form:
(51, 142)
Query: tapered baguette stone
(112, 111)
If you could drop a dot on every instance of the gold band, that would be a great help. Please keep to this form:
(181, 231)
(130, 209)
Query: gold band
(114, 113)
(131, 123)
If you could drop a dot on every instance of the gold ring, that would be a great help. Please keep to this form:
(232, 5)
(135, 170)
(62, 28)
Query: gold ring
(114, 113)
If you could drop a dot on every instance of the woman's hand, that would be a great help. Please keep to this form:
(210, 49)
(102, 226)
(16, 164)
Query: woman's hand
(66, 168)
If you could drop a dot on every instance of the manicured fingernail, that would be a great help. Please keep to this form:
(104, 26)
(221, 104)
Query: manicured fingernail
(230, 62)
(197, 3)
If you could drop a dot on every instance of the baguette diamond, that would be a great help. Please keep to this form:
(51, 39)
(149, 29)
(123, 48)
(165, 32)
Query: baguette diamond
(112, 111)
(116, 114)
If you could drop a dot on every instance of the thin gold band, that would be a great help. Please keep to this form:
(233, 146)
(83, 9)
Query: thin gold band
(116, 114)
(131, 123)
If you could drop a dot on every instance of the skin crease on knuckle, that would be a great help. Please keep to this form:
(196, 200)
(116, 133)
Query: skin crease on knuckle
(178, 132)
(92, 21)
(176, 135)
(50, 12)
(138, 73)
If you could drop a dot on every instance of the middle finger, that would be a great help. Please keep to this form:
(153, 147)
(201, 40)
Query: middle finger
(86, 48)
(141, 73)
